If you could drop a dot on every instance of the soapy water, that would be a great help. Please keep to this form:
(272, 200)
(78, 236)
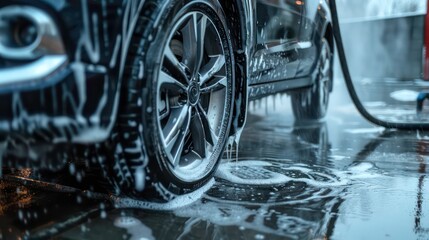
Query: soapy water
(255, 182)
(404, 95)
(261, 173)
(135, 228)
(375, 130)
(252, 182)
(243, 175)
(264, 221)
(274, 197)
(174, 203)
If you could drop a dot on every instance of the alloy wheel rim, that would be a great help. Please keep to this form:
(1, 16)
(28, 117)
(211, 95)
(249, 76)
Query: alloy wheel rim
(324, 71)
(191, 96)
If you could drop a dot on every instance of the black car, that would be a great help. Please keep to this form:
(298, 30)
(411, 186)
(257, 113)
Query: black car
(164, 84)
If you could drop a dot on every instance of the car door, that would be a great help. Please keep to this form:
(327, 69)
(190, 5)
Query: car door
(278, 25)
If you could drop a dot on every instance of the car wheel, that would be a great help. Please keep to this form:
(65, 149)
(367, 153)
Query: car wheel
(312, 103)
(176, 100)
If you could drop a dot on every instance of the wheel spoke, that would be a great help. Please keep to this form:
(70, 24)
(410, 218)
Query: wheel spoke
(193, 41)
(170, 83)
(201, 32)
(209, 134)
(177, 142)
(215, 64)
(177, 119)
(198, 135)
(173, 64)
(219, 84)
(189, 40)
(326, 66)
(163, 104)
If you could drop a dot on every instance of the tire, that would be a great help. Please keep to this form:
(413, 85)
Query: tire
(176, 100)
(312, 103)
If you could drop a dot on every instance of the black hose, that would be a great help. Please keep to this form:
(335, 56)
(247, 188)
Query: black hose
(349, 82)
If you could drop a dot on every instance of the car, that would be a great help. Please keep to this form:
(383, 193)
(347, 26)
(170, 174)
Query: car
(159, 87)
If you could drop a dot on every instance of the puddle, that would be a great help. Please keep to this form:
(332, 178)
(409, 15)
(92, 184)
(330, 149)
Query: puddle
(274, 197)
(276, 172)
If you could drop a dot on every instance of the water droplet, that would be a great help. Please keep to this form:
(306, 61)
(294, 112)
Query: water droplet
(259, 236)
(103, 214)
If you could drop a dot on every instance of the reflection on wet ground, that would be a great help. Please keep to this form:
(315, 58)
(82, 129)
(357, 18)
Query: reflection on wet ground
(393, 100)
(337, 179)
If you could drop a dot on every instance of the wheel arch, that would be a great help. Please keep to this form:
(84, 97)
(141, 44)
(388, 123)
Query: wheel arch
(328, 34)
(326, 29)
(241, 31)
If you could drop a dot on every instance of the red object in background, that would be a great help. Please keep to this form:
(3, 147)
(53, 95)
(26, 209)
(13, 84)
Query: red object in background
(426, 46)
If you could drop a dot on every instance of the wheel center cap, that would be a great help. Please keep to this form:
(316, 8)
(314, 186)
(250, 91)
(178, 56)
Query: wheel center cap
(194, 93)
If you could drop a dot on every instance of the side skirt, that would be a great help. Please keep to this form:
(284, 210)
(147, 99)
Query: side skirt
(262, 90)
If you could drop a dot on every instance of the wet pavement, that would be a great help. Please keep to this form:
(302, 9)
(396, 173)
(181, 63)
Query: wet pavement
(393, 100)
(341, 178)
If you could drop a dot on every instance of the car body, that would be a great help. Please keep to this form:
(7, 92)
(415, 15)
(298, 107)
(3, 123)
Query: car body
(65, 84)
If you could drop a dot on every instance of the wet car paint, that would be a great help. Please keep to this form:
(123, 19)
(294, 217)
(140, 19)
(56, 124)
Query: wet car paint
(338, 179)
